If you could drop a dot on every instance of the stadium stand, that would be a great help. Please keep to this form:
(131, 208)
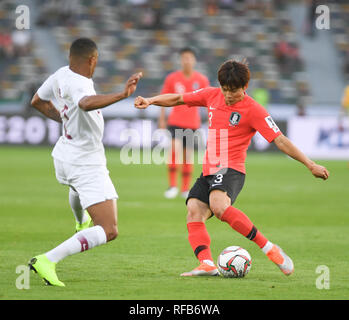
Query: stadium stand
(340, 29)
(142, 35)
(19, 63)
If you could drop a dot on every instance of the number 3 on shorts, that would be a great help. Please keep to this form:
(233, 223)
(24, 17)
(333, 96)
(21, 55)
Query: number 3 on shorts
(219, 178)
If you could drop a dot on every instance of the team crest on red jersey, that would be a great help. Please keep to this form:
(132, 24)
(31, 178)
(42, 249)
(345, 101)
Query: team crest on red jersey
(234, 118)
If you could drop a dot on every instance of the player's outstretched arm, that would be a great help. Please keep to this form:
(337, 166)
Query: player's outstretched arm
(286, 146)
(46, 108)
(162, 119)
(99, 101)
(163, 100)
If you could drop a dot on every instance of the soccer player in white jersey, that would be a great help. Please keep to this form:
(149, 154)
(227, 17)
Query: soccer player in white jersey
(79, 157)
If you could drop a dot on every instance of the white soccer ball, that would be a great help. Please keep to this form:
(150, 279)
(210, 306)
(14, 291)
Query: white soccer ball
(234, 262)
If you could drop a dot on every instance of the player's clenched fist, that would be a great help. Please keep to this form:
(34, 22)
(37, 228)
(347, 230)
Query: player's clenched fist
(319, 172)
(141, 103)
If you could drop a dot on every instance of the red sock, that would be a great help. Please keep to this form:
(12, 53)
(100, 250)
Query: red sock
(172, 170)
(187, 169)
(242, 224)
(199, 240)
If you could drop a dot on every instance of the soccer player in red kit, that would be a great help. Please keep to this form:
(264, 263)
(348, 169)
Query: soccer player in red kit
(234, 118)
(181, 117)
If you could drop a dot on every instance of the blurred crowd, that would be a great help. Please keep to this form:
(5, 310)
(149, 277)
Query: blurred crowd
(288, 57)
(346, 64)
(141, 35)
(144, 14)
(14, 43)
(266, 6)
(57, 12)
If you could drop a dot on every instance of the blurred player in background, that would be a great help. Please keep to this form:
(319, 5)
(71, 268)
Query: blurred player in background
(234, 118)
(78, 155)
(181, 117)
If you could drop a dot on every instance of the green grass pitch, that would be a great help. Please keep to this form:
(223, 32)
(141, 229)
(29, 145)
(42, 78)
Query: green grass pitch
(307, 217)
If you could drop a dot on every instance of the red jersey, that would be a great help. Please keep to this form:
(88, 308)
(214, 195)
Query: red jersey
(177, 82)
(231, 128)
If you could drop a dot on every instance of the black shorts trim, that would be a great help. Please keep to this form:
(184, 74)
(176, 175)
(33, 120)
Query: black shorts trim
(226, 180)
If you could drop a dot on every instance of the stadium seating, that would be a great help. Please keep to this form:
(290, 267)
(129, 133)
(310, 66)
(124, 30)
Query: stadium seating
(19, 63)
(340, 30)
(145, 37)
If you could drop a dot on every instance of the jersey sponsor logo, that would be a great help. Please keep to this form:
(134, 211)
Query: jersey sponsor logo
(272, 125)
(210, 107)
(235, 118)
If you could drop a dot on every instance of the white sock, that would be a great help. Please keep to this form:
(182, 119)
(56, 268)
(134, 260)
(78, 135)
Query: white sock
(79, 212)
(80, 241)
(267, 247)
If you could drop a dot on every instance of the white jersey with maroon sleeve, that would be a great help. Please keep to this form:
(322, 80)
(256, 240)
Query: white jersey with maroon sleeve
(81, 140)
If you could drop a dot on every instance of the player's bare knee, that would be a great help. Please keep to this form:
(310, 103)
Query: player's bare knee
(219, 202)
(196, 211)
(218, 209)
(192, 210)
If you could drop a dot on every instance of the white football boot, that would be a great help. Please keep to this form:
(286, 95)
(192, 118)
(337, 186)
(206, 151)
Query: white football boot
(171, 193)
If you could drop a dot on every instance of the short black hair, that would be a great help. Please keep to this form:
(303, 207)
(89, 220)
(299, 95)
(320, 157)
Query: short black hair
(82, 47)
(187, 49)
(233, 74)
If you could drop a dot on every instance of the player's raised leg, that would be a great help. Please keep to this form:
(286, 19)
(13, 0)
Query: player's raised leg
(239, 221)
(104, 216)
(82, 218)
(199, 239)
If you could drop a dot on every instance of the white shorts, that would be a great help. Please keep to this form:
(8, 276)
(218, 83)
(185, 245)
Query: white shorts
(92, 183)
